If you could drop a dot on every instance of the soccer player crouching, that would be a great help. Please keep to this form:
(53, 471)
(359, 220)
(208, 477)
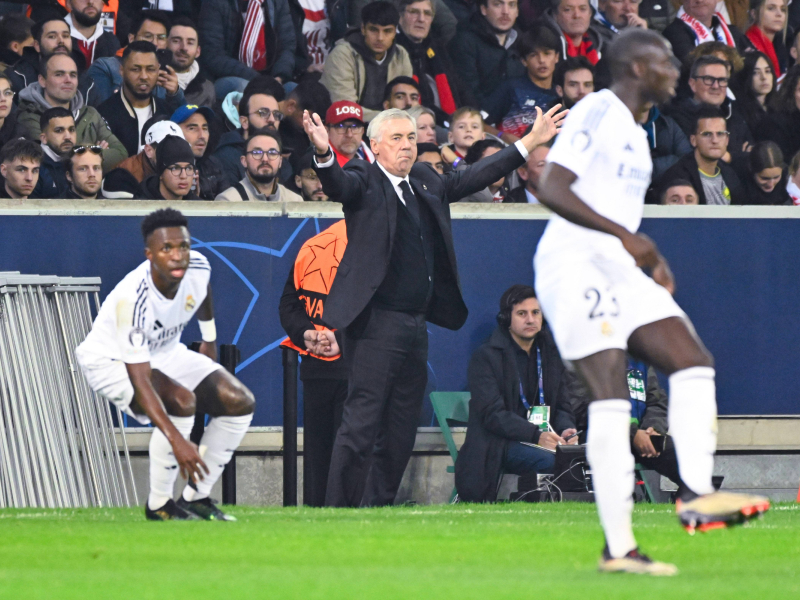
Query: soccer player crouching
(134, 358)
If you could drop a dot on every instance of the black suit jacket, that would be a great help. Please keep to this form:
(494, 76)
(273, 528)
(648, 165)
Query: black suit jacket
(370, 212)
(496, 414)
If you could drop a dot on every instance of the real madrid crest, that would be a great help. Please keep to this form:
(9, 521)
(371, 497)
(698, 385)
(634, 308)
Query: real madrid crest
(190, 303)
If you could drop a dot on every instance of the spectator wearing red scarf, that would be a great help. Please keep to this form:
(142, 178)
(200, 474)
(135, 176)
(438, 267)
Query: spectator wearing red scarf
(767, 32)
(572, 21)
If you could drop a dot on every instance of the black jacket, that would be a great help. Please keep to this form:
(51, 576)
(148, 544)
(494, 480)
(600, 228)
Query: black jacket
(783, 129)
(480, 59)
(370, 211)
(496, 413)
(25, 70)
(150, 190)
(221, 25)
(212, 178)
(12, 129)
(122, 121)
(52, 179)
(683, 40)
(685, 111)
(686, 168)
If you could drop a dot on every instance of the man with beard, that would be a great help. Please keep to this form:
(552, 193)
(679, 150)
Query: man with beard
(127, 111)
(175, 166)
(573, 79)
(262, 161)
(345, 124)
(87, 31)
(51, 36)
(259, 108)
(58, 86)
(58, 139)
(307, 181)
(19, 166)
(104, 78)
(194, 123)
(84, 171)
(183, 41)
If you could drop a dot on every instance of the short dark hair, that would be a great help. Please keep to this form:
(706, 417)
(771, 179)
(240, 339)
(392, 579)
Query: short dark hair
(312, 96)
(21, 149)
(674, 183)
(475, 152)
(182, 21)
(573, 63)
(538, 37)
(400, 79)
(164, 217)
(427, 147)
(57, 112)
(263, 131)
(511, 297)
(38, 28)
(14, 27)
(139, 46)
(46, 61)
(705, 61)
(706, 111)
(263, 84)
(157, 16)
(380, 13)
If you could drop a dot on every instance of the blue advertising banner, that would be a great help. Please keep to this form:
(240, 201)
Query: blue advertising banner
(738, 280)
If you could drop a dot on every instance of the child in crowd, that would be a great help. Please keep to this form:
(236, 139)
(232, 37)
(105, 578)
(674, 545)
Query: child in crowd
(512, 107)
(466, 128)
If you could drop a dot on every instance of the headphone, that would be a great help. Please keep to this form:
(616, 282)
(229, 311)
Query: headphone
(514, 295)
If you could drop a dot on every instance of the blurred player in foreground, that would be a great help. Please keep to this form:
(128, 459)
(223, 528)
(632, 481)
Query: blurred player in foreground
(134, 358)
(599, 303)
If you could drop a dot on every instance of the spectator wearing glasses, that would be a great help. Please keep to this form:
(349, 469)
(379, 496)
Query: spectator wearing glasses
(84, 171)
(19, 167)
(194, 122)
(715, 181)
(259, 108)
(10, 127)
(57, 139)
(345, 123)
(104, 78)
(262, 162)
(143, 165)
(175, 167)
(708, 80)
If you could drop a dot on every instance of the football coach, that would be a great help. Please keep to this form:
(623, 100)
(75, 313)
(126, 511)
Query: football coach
(398, 271)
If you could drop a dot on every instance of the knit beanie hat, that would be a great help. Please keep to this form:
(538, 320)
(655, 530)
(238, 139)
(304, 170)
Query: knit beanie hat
(172, 150)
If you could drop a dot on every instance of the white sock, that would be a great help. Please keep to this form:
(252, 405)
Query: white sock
(221, 438)
(163, 466)
(609, 454)
(693, 425)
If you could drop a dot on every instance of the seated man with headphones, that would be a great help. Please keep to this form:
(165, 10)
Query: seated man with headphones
(519, 409)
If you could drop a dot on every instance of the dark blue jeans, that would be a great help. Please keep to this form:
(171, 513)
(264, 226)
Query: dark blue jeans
(524, 460)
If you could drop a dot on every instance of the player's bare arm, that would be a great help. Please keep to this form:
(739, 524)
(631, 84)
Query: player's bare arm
(208, 330)
(148, 400)
(555, 192)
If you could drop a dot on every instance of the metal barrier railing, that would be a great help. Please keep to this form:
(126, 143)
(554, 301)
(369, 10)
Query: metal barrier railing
(58, 447)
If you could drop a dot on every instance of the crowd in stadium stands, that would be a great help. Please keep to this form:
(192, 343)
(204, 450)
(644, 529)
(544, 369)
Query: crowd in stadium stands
(81, 79)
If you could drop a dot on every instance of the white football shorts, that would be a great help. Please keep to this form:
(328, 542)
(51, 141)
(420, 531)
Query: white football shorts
(109, 377)
(596, 304)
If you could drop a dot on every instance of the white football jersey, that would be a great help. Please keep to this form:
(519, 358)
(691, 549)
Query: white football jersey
(603, 145)
(136, 322)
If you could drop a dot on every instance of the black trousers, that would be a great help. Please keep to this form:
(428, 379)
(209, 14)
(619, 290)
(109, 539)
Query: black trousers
(323, 400)
(665, 464)
(386, 354)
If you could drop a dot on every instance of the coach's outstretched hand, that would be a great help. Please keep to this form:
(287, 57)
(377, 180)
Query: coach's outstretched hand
(316, 132)
(545, 128)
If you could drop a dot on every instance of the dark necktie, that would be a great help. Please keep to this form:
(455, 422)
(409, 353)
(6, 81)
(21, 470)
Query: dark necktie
(411, 200)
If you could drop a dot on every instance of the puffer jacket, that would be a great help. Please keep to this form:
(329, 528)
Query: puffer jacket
(481, 61)
(90, 127)
(345, 73)
(221, 25)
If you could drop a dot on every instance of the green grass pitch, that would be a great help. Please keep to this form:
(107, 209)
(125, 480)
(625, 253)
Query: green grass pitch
(409, 553)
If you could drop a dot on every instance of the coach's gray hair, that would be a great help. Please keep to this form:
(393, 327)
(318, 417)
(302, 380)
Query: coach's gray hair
(375, 129)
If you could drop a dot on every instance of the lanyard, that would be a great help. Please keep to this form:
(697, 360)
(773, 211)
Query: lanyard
(522, 397)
